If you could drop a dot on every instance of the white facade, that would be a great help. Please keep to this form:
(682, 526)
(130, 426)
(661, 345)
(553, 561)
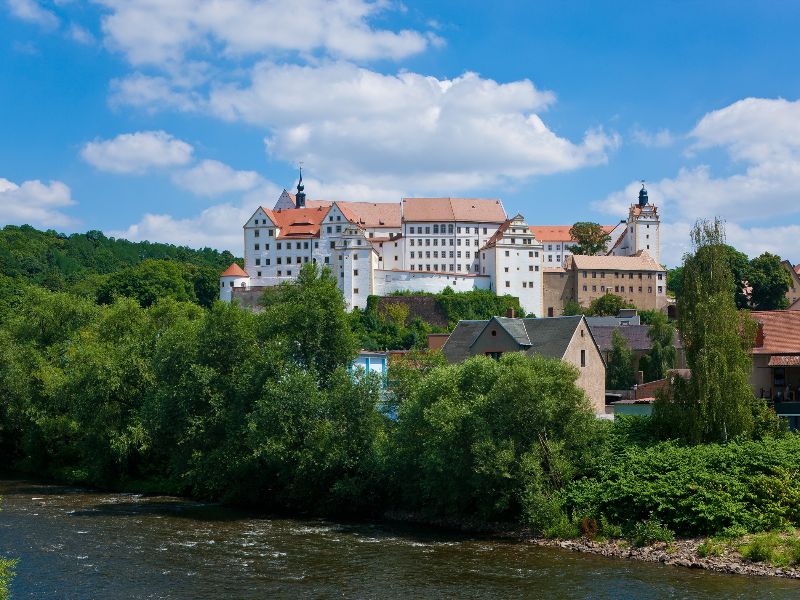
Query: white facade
(228, 282)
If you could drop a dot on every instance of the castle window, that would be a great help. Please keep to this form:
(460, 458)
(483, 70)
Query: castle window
(279, 246)
(660, 289)
(257, 232)
(450, 228)
(467, 254)
(330, 229)
(508, 284)
(327, 260)
(333, 245)
(484, 231)
(508, 253)
(288, 273)
(594, 288)
(355, 272)
(583, 357)
(427, 241)
(410, 230)
(280, 273)
(530, 267)
(270, 232)
(338, 217)
(524, 284)
(258, 274)
(436, 228)
(506, 269)
(258, 262)
(338, 229)
(256, 247)
(298, 260)
(584, 288)
(355, 290)
(427, 230)
(649, 289)
(427, 254)
(279, 259)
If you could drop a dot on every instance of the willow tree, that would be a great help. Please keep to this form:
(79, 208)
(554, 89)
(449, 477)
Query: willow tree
(716, 403)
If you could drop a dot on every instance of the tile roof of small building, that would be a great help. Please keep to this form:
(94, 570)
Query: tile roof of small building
(558, 233)
(641, 261)
(234, 271)
(297, 222)
(797, 269)
(781, 331)
(464, 210)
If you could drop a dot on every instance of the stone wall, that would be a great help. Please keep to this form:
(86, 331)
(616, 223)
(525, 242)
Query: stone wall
(424, 307)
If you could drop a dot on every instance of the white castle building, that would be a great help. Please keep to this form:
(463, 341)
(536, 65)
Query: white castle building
(419, 244)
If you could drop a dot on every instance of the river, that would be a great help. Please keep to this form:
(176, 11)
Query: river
(79, 544)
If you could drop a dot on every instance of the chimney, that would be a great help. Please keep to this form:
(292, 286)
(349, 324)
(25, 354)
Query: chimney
(510, 312)
(759, 335)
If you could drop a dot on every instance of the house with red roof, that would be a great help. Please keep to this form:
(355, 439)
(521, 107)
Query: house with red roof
(776, 362)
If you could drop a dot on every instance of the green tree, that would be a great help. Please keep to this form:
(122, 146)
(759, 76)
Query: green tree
(716, 403)
(572, 308)
(590, 238)
(308, 316)
(675, 281)
(619, 373)
(663, 355)
(608, 305)
(769, 282)
(150, 281)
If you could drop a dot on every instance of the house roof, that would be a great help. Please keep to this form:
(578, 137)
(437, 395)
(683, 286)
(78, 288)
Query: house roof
(797, 269)
(785, 360)
(641, 261)
(549, 337)
(492, 241)
(234, 271)
(559, 233)
(781, 331)
(297, 222)
(372, 214)
(465, 210)
(635, 335)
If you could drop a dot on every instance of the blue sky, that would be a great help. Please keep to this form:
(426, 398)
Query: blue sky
(173, 120)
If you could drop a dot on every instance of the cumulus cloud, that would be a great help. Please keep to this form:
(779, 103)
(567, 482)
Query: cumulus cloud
(137, 152)
(153, 31)
(658, 139)
(218, 226)
(33, 12)
(35, 203)
(213, 178)
(762, 138)
(80, 34)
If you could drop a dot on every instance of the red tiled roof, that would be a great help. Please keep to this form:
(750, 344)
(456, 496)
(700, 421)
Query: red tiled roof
(781, 331)
(792, 360)
(372, 214)
(559, 233)
(234, 271)
(641, 261)
(465, 210)
(297, 222)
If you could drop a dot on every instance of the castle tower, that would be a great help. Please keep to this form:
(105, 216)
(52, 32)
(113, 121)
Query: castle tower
(643, 227)
(300, 198)
(234, 277)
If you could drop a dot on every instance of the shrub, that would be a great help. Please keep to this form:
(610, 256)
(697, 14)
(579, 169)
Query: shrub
(649, 532)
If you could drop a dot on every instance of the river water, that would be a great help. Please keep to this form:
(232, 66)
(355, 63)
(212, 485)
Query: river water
(79, 544)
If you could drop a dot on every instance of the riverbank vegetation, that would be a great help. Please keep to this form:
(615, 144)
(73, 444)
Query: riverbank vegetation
(264, 410)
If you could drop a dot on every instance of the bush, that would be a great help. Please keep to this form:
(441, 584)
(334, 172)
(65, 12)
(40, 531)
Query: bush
(6, 575)
(645, 533)
(773, 548)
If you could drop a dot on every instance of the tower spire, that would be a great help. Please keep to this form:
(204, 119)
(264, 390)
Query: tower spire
(300, 199)
(643, 199)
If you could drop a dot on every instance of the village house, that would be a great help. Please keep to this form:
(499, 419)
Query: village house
(776, 362)
(566, 338)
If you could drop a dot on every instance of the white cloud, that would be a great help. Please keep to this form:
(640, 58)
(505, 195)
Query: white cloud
(80, 34)
(154, 31)
(218, 226)
(405, 130)
(33, 12)
(137, 152)
(762, 136)
(659, 139)
(35, 203)
(213, 178)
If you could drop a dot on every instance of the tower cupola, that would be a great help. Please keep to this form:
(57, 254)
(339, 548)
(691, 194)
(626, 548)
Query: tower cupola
(300, 199)
(643, 200)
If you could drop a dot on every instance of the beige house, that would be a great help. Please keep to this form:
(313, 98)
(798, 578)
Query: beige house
(639, 279)
(566, 338)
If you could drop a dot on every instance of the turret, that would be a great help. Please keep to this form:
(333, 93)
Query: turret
(643, 200)
(300, 198)
(234, 277)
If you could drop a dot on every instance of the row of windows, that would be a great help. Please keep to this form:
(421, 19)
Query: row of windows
(621, 289)
(444, 228)
(467, 254)
(288, 245)
(453, 267)
(585, 274)
(445, 242)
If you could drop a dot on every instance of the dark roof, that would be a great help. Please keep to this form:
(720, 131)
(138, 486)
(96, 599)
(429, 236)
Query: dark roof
(549, 337)
(635, 335)
(456, 348)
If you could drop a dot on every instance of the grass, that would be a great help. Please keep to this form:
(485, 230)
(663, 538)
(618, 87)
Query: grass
(6, 575)
(778, 549)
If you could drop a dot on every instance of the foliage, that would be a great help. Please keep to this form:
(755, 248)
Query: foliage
(675, 281)
(64, 262)
(475, 304)
(716, 403)
(6, 575)
(590, 238)
(769, 282)
(663, 355)
(493, 438)
(645, 533)
(607, 305)
(647, 317)
(619, 372)
(695, 490)
(779, 550)
(573, 308)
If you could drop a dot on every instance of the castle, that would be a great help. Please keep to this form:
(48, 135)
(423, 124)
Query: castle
(419, 244)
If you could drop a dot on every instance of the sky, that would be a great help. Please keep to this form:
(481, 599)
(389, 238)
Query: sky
(172, 120)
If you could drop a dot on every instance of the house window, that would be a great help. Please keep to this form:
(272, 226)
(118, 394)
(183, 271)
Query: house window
(258, 274)
(507, 253)
(583, 358)
(288, 273)
(256, 247)
(270, 232)
(279, 246)
(355, 290)
(508, 284)
(266, 261)
(258, 262)
(257, 233)
(280, 272)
